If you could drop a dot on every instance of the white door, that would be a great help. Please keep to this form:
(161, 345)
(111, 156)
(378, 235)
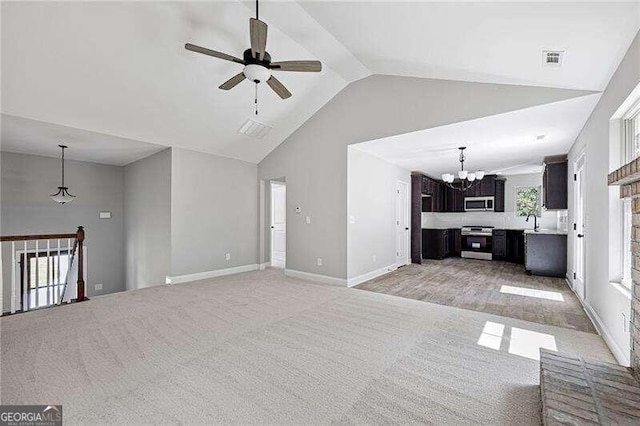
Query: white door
(402, 223)
(278, 224)
(578, 231)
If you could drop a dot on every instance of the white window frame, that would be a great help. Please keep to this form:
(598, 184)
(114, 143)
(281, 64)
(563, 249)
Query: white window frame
(629, 122)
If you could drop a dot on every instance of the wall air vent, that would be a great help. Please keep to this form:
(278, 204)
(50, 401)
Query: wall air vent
(255, 129)
(552, 58)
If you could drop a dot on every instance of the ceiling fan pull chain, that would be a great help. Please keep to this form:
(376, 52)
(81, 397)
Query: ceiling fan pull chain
(256, 99)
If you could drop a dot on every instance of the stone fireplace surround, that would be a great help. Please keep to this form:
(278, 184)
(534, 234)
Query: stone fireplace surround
(628, 178)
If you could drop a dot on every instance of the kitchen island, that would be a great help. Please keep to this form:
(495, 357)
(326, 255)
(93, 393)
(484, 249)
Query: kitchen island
(545, 252)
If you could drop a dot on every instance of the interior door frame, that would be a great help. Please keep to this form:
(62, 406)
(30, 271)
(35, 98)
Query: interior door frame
(271, 187)
(407, 210)
(579, 192)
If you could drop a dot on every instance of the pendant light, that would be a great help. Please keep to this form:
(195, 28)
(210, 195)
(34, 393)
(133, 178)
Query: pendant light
(466, 179)
(62, 196)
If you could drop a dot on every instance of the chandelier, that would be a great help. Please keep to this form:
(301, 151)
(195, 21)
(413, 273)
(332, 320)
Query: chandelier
(62, 196)
(465, 179)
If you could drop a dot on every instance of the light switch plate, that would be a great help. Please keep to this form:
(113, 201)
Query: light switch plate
(105, 215)
(97, 287)
(308, 220)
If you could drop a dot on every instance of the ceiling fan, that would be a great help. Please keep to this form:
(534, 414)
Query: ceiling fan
(257, 61)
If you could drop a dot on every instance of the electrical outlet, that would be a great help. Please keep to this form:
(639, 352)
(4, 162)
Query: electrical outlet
(227, 256)
(97, 287)
(308, 220)
(319, 261)
(375, 258)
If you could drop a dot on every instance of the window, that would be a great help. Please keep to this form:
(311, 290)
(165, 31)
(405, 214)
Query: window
(528, 201)
(626, 244)
(631, 133)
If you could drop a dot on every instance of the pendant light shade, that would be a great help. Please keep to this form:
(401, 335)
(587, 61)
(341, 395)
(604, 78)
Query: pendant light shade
(62, 196)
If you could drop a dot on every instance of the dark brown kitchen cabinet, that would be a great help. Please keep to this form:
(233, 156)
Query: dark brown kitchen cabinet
(435, 243)
(498, 203)
(455, 242)
(515, 246)
(499, 243)
(433, 193)
(454, 200)
(416, 218)
(554, 182)
(488, 186)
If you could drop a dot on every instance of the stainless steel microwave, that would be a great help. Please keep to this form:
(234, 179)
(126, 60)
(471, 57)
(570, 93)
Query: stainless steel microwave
(479, 204)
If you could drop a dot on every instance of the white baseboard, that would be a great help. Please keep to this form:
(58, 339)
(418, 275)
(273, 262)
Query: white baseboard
(264, 266)
(278, 263)
(211, 274)
(324, 279)
(371, 275)
(621, 357)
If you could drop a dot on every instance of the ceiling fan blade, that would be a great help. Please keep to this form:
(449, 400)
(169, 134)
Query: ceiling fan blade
(232, 82)
(298, 66)
(278, 87)
(219, 55)
(258, 34)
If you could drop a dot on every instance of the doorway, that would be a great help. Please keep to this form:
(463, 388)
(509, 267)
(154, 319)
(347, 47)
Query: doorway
(402, 223)
(278, 224)
(578, 228)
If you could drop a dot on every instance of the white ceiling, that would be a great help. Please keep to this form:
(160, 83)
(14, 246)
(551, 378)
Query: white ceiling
(504, 143)
(26, 136)
(494, 42)
(120, 68)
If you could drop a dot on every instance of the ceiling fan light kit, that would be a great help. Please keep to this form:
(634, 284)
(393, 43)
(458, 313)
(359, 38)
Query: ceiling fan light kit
(466, 179)
(257, 62)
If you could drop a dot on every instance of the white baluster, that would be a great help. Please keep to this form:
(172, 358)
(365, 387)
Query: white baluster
(37, 278)
(13, 277)
(48, 274)
(58, 274)
(25, 277)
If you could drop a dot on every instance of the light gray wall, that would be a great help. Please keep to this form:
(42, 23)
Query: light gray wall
(607, 302)
(314, 158)
(214, 211)
(26, 208)
(147, 207)
(372, 205)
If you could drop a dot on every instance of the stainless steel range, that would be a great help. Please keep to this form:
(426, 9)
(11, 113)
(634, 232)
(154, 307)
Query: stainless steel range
(476, 242)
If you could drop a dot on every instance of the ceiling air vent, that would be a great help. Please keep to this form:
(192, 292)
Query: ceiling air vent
(552, 58)
(255, 129)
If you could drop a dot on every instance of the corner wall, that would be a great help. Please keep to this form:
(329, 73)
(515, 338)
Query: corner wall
(372, 215)
(214, 210)
(604, 302)
(147, 226)
(27, 181)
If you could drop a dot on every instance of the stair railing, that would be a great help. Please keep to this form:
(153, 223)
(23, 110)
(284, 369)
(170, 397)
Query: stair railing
(24, 270)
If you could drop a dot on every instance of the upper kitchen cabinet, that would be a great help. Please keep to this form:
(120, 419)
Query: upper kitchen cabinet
(498, 203)
(554, 182)
(433, 195)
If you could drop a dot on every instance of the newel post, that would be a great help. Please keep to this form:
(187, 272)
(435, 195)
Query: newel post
(80, 239)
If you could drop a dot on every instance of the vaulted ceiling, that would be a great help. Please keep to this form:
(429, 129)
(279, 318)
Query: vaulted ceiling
(120, 68)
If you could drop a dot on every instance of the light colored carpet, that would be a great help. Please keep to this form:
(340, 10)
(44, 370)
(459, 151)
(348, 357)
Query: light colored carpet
(262, 348)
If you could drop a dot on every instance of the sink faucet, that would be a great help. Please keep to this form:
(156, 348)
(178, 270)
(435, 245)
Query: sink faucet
(535, 221)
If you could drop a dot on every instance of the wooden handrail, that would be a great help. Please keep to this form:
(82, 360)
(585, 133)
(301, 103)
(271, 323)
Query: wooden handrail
(37, 237)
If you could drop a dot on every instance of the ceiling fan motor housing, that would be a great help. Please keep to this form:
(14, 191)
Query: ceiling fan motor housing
(256, 70)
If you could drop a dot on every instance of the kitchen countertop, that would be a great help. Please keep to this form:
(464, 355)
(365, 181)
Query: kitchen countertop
(546, 232)
(453, 227)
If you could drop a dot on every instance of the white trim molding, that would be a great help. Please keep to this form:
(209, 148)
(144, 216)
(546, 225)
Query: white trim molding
(351, 282)
(178, 279)
(621, 357)
(323, 279)
(264, 266)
